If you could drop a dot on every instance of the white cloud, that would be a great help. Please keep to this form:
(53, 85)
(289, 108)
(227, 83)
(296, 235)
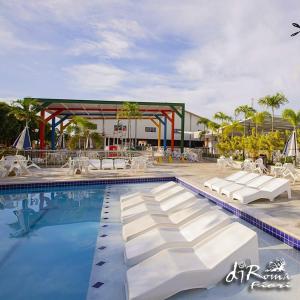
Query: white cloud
(95, 77)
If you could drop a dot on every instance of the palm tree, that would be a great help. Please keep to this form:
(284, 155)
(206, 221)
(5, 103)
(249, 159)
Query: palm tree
(273, 102)
(25, 110)
(292, 117)
(234, 126)
(81, 130)
(246, 110)
(258, 118)
(129, 111)
(225, 119)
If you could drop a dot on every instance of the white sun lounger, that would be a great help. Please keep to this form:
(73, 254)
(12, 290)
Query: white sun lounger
(255, 183)
(155, 191)
(165, 194)
(187, 235)
(203, 266)
(270, 190)
(233, 177)
(164, 208)
(243, 180)
(145, 223)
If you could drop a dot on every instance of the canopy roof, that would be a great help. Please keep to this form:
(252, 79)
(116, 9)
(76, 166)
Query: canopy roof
(99, 109)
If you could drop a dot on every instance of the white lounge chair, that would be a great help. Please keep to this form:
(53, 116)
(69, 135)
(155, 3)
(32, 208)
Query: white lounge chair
(154, 199)
(289, 170)
(187, 235)
(255, 183)
(145, 223)
(243, 180)
(154, 192)
(233, 177)
(164, 208)
(203, 266)
(270, 191)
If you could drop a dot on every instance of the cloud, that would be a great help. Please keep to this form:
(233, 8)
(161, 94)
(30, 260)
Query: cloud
(114, 39)
(10, 40)
(95, 77)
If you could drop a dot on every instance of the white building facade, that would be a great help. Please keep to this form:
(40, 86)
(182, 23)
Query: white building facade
(144, 131)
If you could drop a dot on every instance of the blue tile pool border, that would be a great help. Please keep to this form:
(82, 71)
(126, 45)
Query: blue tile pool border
(26, 186)
(280, 235)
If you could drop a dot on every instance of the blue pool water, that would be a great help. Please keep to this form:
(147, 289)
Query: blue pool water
(47, 242)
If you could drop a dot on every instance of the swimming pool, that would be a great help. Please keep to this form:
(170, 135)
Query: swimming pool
(65, 243)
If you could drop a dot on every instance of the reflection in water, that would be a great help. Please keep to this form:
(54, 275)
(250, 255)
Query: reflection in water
(61, 207)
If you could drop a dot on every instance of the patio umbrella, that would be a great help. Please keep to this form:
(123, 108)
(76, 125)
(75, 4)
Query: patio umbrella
(61, 141)
(291, 147)
(23, 141)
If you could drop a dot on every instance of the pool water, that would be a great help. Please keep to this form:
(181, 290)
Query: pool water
(47, 242)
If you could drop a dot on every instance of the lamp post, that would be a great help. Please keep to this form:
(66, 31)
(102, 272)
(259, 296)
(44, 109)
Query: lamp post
(297, 26)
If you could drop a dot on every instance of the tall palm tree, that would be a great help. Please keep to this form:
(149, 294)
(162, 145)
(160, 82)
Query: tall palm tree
(234, 126)
(25, 110)
(273, 102)
(292, 117)
(259, 118)
(129, 111)
(225, 119)
(81, 130)
(246, 110)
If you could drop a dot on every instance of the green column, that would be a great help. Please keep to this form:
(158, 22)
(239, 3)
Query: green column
(182, 127)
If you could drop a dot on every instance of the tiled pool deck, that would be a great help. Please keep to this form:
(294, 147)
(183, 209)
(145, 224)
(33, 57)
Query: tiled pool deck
(282, 214)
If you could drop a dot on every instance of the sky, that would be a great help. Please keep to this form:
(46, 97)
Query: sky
(214, 55)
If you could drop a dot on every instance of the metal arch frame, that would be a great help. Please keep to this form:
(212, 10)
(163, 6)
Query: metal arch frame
(167, 114)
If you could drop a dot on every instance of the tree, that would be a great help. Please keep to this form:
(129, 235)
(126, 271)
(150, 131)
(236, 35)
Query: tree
(10, 126)
(225, 119)
(259, 118)
(234, 126)
(80, 131)
(292, 117)
(246, 110)
(26, 110)
(273, 102)
(129, 111)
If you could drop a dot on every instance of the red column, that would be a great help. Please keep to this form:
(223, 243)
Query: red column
(172, 130)
(42, 130)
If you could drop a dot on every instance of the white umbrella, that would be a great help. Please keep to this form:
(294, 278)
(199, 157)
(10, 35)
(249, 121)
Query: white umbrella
(23, 141)
(291, 147)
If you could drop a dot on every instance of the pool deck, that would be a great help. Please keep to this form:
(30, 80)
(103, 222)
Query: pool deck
(283, 214)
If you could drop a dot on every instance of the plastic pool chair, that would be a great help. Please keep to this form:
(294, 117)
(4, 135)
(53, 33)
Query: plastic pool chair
(154, 192)
(243, 180)
(233, 177)
(145, 223)
(270, 190)
(165, 207)
(165, 194)
(255, 183)
(202, 266)
(187, 235)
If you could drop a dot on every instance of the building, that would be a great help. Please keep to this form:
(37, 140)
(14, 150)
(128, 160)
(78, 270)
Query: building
(144, 131)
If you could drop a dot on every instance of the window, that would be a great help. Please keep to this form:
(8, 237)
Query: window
(150, 129)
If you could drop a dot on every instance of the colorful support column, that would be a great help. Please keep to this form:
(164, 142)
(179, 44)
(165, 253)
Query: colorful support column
(172, 130)
(42, 130)
(182, 128)
(165, 134)
(53, 134)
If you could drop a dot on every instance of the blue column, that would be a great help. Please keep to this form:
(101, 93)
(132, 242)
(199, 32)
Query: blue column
(165, 134)
(53, 135)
